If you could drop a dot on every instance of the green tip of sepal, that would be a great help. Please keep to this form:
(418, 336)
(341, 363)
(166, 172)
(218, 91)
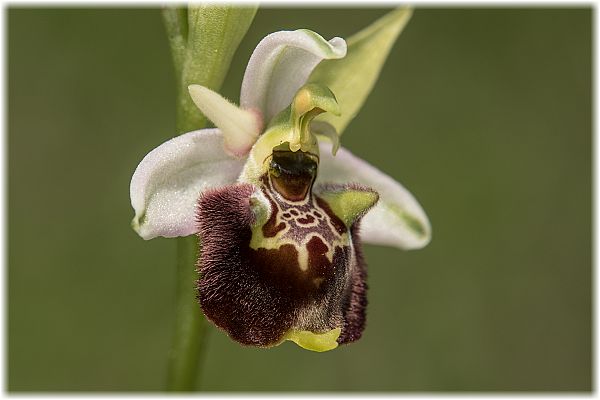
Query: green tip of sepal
(318, 342)
(135, 225)
(350, 203)
(137, 222)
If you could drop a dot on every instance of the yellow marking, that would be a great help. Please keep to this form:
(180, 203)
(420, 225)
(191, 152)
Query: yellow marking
(302, 102)
(314, 341)
(302, 258)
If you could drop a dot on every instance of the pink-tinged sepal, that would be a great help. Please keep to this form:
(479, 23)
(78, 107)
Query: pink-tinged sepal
(166, 184)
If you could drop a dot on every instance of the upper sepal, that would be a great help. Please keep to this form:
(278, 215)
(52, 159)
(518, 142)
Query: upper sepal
(280, 65)
(397, 219)
(168, 181)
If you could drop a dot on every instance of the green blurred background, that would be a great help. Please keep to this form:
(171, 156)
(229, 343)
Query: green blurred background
(484, 114)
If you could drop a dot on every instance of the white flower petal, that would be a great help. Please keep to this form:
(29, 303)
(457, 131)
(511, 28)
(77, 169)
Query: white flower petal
(240, 128)
(397, 219)
(166, 185)
(280, 65)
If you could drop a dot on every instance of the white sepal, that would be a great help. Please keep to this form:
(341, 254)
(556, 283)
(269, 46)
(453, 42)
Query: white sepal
(167, 183)
(240, 128)
(397, 219)
(280, 65)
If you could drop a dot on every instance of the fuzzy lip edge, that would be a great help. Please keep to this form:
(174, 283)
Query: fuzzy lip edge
(241, 193)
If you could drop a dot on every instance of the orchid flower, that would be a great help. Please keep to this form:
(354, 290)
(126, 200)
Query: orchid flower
(280, 208)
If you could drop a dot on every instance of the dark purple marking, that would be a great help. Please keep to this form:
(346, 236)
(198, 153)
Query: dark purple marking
(309, 219)
(286, 215)
(335, 221)
(271, 228)
(317, 251)
(317, 214)
(279, 268)
(295, 213)
(257, 295)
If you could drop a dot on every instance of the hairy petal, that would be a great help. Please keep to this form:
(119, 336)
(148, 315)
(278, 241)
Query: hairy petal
(280, 65)
(397, 219)
(168, 181)
(239, 127)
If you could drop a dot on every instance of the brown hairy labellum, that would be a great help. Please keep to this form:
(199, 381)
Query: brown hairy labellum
(301, 269)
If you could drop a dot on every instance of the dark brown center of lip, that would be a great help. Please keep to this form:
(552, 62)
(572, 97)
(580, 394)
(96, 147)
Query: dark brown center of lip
(292, 173)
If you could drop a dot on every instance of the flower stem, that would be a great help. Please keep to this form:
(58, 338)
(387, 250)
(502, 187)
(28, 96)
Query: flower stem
(190, 334)
(190, 326)
(203, 39)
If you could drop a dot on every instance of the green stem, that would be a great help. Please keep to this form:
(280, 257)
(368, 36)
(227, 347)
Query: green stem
(203, 40)
(190, 335)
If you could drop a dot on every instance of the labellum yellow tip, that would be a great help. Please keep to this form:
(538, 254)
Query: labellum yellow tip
(318, 342)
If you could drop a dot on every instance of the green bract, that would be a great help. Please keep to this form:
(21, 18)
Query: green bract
(203, 40)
